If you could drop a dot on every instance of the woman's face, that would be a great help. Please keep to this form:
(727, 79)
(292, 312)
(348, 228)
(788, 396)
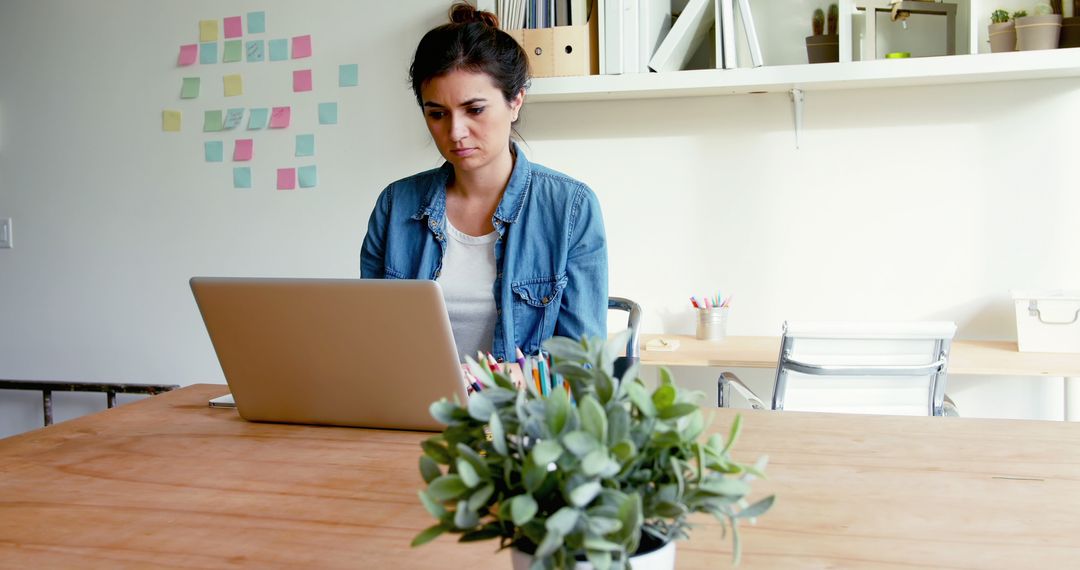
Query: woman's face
(468, 118)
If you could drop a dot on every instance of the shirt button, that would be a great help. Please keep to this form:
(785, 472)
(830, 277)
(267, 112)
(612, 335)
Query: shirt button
(433, 224)
(545, 300)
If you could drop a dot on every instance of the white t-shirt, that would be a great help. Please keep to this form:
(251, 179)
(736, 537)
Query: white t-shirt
(467, 279)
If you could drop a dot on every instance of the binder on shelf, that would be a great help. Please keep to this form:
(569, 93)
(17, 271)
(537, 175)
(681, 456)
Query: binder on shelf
(654, 19)
(562, 50)
(725, 35)
(747, 18)
(686, 35)
(611, 37)
(631, 32)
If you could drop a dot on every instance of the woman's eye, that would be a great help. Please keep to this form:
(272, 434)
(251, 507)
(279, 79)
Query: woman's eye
(475, 110)
(435, 114)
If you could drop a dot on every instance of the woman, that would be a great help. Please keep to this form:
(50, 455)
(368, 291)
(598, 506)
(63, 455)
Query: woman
(518, 249)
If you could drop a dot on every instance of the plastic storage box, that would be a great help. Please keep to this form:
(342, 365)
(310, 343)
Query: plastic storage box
(1047, 321)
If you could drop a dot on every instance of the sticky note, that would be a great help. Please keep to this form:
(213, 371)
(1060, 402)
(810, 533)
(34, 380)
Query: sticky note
(307, 175)
(286, 178)
(234, 50)
(213, 150)
(301, 80)
(305, 145)
(211, 121)
(233, 117)
(348, 75)
(234, 85)
(170, 120)
(208, 53)
(242, 149)
(256, 50)
(233, 27)
(257, 118)
(279, 117)
(190, 88)
(188, 54)
(241, 177)
(301, 47)
(327, 113)
(208, 30)
(279, 50)
(256, 22)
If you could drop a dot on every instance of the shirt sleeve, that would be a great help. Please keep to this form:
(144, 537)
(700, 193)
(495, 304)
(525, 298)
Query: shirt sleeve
(373, 252)
(585, 299)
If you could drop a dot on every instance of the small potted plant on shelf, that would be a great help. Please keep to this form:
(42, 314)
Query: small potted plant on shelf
(1002, 32)
(822, 47)
(1039, 31)
(595, 470)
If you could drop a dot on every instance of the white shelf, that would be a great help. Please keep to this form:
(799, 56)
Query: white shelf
(1011, 66)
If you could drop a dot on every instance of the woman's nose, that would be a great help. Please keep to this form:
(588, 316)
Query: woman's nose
(458, 129)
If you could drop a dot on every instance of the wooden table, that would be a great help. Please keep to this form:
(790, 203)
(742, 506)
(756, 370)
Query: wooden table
(969, 357)
(169, 482)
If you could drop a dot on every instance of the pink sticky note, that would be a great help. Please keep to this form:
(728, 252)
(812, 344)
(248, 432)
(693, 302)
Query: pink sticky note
(279, 117)
(233, 27)
(286, 178)
(301, 47)
(242, 149)
(188, 54)
(301, 80)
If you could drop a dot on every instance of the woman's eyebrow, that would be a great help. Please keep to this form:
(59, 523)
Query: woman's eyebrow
(472, 101)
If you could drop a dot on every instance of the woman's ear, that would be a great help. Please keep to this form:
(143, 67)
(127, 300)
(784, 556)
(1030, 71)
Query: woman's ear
(515, 105)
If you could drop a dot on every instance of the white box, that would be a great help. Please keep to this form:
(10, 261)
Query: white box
(1047, 321)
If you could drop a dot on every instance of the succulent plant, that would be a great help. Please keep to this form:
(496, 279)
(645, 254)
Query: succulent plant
(819, 22)
(833, 18)
(1019, 14)
(999, 16)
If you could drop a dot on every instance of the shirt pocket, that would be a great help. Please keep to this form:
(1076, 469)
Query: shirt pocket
(536, 308)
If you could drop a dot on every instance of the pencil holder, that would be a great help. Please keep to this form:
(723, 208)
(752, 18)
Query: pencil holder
(712, 323)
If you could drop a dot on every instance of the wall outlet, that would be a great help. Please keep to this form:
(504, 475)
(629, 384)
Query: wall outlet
(5, 233)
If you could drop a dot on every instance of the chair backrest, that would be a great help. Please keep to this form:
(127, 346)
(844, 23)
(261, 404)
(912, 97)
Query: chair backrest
(895, 368)
(633, 319)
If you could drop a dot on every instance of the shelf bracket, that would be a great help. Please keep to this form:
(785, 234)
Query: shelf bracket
(797, 106)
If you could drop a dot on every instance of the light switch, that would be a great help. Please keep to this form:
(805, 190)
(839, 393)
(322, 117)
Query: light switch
(5, 233)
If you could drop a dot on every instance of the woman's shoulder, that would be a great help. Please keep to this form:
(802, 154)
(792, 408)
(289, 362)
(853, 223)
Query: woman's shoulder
(555, 184)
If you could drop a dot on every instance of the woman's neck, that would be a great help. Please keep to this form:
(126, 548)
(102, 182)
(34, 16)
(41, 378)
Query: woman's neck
(473, 197)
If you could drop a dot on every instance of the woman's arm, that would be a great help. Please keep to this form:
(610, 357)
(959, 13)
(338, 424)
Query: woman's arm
(583, 311)
(373, 252)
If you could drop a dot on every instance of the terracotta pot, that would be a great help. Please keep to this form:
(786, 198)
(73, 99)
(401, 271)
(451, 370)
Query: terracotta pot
(1070, 32)
(1038, 32)
(823, 48)
(662, 558)
(1003, 37)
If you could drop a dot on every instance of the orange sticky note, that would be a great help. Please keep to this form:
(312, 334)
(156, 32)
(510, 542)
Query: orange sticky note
(234, 85)
(242, 149)
(208, 30)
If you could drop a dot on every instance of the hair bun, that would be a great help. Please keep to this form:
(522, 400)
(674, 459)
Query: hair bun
(464, 13)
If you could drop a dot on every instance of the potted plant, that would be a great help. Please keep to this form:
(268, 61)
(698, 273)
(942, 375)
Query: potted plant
(1040, 31)
(1002, 31)
(1070, 28)
(602, 472)
(823, 47)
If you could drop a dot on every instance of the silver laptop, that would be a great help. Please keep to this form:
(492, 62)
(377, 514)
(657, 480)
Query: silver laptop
(347, 352)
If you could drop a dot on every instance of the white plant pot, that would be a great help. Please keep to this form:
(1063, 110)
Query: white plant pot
(662, 558)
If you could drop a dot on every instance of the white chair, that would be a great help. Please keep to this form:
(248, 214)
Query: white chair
(895, 368)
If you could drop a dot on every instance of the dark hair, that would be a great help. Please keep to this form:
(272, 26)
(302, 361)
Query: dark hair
(472, 41)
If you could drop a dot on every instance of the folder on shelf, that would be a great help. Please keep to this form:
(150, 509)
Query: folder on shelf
(611, 37)
(725, 35)
(686, 35)
(562, 50)
(747, 18)
(654, 23)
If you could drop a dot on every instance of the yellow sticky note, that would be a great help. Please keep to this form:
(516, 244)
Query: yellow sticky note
(234, 85)
(208, 30)
(170, 121)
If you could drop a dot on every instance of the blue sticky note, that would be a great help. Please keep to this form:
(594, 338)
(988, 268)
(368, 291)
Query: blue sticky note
(257, 118)
(348, 75)
(256, 22)
(305, 145)
(233, 117)
(307, 176)
(241, 177)
(327, 113)
(279, 50)
(256, 50)
(208, 53)
(214, 150)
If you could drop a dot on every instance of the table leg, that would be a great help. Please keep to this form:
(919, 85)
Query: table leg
(1072, 398)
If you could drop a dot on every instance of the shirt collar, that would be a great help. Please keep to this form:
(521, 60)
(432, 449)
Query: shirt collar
(513, 200)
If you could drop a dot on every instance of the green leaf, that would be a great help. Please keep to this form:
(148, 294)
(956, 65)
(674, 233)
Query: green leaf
(603, 384)
(480, 407)
(429, 469)
(429, 534)
(447, 487)
(562, 348)
(467, 473)
(641, 399)
(757, 509)
(580, 443)
(474, 459)
(733, 434)
(485, 532)
(498, 435)
(552, 541)
(480, 497)
(665, 377)
(677, 411)
(603, 525)
(533, 475)
(724, 486)
(624, 451)
(465, 519)
(432, 506)
(695, 424)
(584, 494)
(664, 396)
(599, 559)
(599, 463)
(563, 521)
(618, 424)
(522, 509)
(613, 347)
(546, 451)
(593, 418)
(557, 411)
(434, 449)
(445, 412)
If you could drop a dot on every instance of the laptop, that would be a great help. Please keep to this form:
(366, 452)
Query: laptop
(345, 352)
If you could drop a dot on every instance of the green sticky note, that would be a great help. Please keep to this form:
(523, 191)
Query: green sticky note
(305, 145)
(233, 118)
(241, 177)
(327, 113)
(211, 121)
(255, 50)
(307, 176)
(214, 151)
(234, 49)
(348, 75)
(190, 88)
(208, 53)
(256, 22)
(279, 50)
(257, 118)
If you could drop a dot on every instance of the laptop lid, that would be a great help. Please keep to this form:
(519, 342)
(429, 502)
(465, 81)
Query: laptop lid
(349, 352)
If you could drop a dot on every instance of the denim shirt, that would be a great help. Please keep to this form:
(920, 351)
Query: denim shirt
(551, 253)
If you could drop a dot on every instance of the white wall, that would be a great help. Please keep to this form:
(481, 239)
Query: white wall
(927, 202)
